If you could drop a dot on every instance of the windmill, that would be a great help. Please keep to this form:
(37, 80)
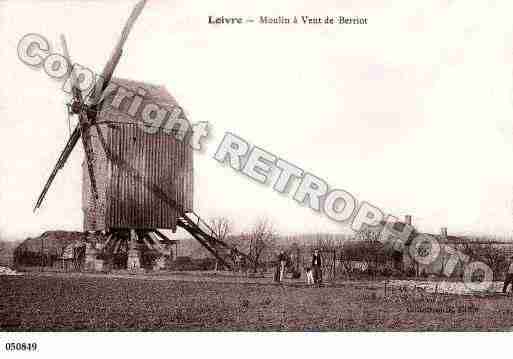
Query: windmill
(134, 182)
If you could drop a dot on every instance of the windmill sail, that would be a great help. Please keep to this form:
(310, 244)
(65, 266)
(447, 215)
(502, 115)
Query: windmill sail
(75, 90)
(60, 163)
(85, 123)
(109, 68)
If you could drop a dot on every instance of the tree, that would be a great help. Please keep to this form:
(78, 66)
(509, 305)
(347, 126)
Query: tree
(262, 239)
(375, 252)
(491, 255)
(222, 227)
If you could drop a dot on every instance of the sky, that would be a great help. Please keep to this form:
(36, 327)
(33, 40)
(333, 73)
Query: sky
(411, 112)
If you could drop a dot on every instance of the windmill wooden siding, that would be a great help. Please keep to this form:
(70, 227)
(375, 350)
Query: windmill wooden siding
(143, 174)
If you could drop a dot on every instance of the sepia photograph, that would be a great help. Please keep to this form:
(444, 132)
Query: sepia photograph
(295, 172)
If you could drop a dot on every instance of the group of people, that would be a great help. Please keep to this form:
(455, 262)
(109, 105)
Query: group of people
(509, 277)
(313, 273)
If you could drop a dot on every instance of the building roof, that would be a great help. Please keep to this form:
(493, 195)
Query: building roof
(151, 94)
(53, 242)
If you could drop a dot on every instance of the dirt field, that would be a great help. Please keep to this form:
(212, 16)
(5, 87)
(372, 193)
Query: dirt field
(188, 302)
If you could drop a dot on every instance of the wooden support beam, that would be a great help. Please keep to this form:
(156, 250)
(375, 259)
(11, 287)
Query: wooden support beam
(133, 239)
(147, 243)
(109, 238)
(161, 235)
(117, 245)
(156, 242)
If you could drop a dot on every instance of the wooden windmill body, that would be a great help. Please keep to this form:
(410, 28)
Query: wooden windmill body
(143, 175)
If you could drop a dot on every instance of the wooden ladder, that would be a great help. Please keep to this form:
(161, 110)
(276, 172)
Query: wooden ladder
(207, 237)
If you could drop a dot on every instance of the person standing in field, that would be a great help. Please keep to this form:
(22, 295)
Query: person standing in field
(283, 264)
(509, 277)
(317, 267)
(280, 268)
(67, 257)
